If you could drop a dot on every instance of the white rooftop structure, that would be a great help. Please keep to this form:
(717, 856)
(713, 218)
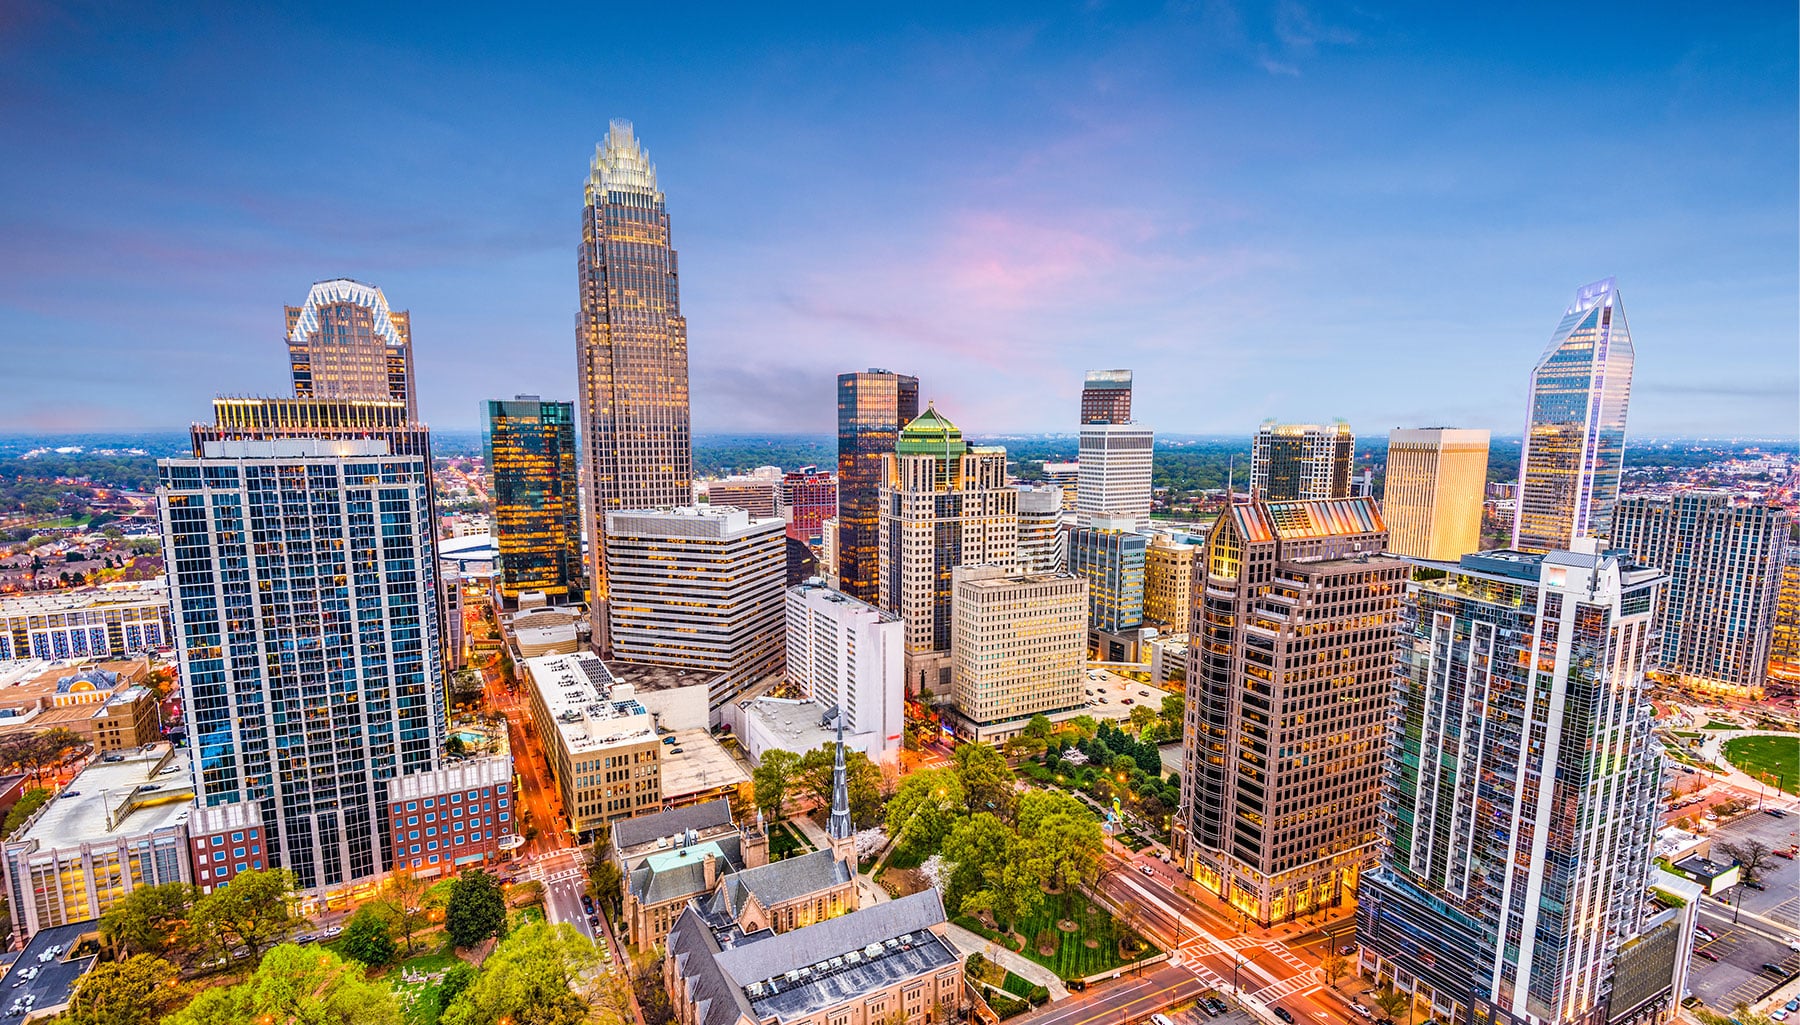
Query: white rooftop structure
(296, 448)
(468, 774)
(590, 710)
(344, 290)
(144, 791)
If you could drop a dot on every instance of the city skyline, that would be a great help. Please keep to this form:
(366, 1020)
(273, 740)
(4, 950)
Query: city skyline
(1207, 219)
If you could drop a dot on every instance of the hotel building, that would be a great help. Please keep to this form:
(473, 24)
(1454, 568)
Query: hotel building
(849, 655)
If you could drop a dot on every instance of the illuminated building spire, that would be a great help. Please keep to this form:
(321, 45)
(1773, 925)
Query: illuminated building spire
(839, 827)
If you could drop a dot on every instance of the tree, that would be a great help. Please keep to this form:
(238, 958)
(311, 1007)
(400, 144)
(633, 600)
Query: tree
(28, 803)
(1063, 850)
(296, 984)
(923, 809)
(1334, 965)
(150, 919)
(977, 847)
(773, 776)
(457, 977)
(367, 938)
(536, 975)
(647, 986)
(1142, 716)
(988, 782)
(252, 913)
(1751, 853)
(406, 900)
(1392, 1003)
(137, 991)
(475, 910)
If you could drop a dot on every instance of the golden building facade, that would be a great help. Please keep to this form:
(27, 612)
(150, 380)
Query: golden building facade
(1017, 646)
(537, 509)
(1169, 581)
(344, 343)
(1436, 480)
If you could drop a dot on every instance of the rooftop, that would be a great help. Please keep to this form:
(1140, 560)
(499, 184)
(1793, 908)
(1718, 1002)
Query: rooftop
(590, 709)
(647, 829)
(133, 592)
(695, 764)
(779, 882)
(645, 677)
(144, 791)
(54, 981)
(468, 774)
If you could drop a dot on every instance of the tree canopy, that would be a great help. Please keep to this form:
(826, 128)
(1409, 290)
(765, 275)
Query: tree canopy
(536, 976)
(476, 909)
(772, 779)
(254, 912)
(304, 985)
(150, 919)
(139, 990)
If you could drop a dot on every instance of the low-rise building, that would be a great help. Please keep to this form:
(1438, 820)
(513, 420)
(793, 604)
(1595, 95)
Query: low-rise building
(224, 840)
(599, 741)
(452, 818)
(113, 621)
(41, 980)
(785, 895)
(668, 858)
(101, 702)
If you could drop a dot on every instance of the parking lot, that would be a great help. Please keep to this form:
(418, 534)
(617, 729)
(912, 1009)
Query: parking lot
(1753, 927)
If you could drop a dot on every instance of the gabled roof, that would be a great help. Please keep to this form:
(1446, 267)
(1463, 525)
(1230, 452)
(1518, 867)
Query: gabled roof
(779, 882)
(628, 833)
(681, 873)
(691, 945)
(833, 937)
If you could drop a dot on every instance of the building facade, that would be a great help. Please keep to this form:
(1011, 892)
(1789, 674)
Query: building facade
(452, 818)
(1724, 560)
(226, 839)
(600, 743)
(303, 582)
(344, 343)
(1114, 473)
(1290, 673)
(1784, 644)
(699, 588)
(1110, 556)
(1017, 643)
(1574, 450)
(1436, 478)
(1106, 397)
(943, 504)
(113, 621)
(530, 454)
(1041, 547)
(1301, 462)
(1522, 787)
(669, 858)
(1169, 580)
(758, 496)
(335, 419)
(630, 350)
(849, 655)
(872, 407)
(809, 497)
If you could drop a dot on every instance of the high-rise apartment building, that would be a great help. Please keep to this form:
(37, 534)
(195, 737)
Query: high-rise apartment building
(1784, 646)
(698, 588)
(1040, 521)
(1301, 462)
(808, 498)
(1724, 560)
(1522, 788)
(1106, 397)
(872, 407)
(303, 590)
(631, 350)
(269, 419)
(1574, 450)
(1169, 580)
(1436, 479)
(942, 504)
(849, 655)
(537, 511)
(1290, 671)
(1109, 555)
(1017, 642)
(344, 343)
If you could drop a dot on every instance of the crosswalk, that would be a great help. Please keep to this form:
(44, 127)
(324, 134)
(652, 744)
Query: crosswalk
(1250, 950)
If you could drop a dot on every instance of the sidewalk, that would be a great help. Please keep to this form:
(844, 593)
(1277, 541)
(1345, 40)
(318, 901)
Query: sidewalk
(1018, 964)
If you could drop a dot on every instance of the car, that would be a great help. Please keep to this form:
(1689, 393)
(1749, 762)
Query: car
(1782, 852)
(1207, 1007)
(1773, 969)
(333, 930)
(1347, 950)
(1284, 1015)
(593, 921)
(1792, 1005)
(1775, 813)
(1361, 1011)
(1779, 1014)
(1754, 885)
(1702, 952)
(1160, 1019)
(1129, 701)
(1147, 870)
(1384, 1021)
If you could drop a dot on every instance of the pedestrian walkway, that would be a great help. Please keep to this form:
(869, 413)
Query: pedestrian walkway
(1018, 964)
(815, 833)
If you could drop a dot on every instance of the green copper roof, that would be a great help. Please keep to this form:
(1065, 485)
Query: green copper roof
(930, 434)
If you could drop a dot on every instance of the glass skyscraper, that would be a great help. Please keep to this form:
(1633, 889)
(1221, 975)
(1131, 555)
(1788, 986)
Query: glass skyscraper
(871, 408)
(1301, 462)
(537, 511)
(1110, 556)
(631, 348)
(344, 343)
(302, 580)
(1574, 446)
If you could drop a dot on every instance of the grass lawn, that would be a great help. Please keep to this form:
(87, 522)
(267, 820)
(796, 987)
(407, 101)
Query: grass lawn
(1777, 755)
(785, 841)
(1714, 724)
(419, 1001)
(1073, 958)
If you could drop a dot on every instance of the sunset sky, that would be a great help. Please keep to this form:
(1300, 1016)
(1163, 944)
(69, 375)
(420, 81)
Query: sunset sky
(1303, 211)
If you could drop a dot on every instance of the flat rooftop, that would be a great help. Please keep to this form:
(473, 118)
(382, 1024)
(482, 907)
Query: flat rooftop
(55, 980)
(129, 592)
(702, 765)
(589, 708)
(142, 792)
(644, 676)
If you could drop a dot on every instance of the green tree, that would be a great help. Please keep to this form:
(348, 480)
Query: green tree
(150, 919)
(306, 986)
(367, 938)
(251, 914)
(406, 900)
(977, 847)
(475, 910)
(536, 976)
(1063, 850)
(1037, 805)
(772, 779)
(861, 776)
(137, 991)
(28, 803)
(605, 885)
(1393, 1003)
(923, 809)
(1142, 716)
(457, 977)
(988, 782)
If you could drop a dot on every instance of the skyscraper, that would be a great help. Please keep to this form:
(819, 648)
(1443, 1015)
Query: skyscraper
(1301, 462)
(1522, 788)
(872, 408)
(303, 591)
(631, 351)
(1784, 647)
(344, 343)
(1109, 555)
(1574, 449)
(1436, 478)
(265, 419)
(1290, 670)
(942, 504)
(1106, 397)
(1169, 579)
(847, 654)
(1724, 560)
(537, 510)
(1040, 533)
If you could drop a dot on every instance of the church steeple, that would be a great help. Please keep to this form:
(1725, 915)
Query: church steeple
(840, 828)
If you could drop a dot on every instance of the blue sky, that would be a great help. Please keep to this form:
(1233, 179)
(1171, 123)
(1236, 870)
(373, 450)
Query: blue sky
(1297, 210)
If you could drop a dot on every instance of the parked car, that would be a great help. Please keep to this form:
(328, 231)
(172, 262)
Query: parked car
(1775, 970)
(1284, 1015)
(1775, 813)
(1361, 1011)
(1754, 885)
(1782, 852)
(1792, 1005)
(1160, 1019)
(1702, 952)
(1779, 1014)
(1347, 950)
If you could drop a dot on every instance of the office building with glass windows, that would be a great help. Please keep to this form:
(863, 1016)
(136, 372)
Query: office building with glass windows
(1784, 643)
(266, 419)
(1574, 450)
(872, 407)
(1301, 462)
(1109, 555)
(1106, 397)
(631, 352)
(1435, 484)
(302, 582)
(1522, 786)
(1041, 542)
(537, 511)
(1724, 558)
(1017, 643)
(344, 343)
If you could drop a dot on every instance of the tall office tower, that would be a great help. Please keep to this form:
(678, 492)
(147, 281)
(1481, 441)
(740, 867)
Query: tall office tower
(1040, 519)
(631, 351)
(942, 504)
(1436, 478)
(303, 586)
(1169, 580)
(1290, 671)
(808, 499)
(701, 589)
(1106, 397)
(1301, 462)
(1784, 646)
(847, 654)
(1574, 449)
(1724, 561)
(344, 343)
(1522, 787)
(1017, 645)
(265, 419)
(1109, 555)
(871, 409)
(537, 508)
